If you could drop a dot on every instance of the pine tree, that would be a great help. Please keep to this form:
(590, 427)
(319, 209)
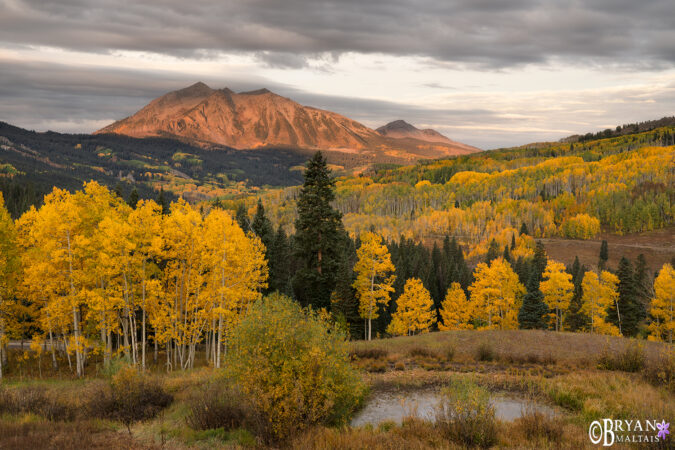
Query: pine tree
(531, 314)
(575, 320)
(278, 256)
(539, 261)
(513, 242)
(162, 202)
(604, 255)
(507, 255)
(629, 307)
(241, 216)
(493, 251)
(319, 236)
(523, 229)
(133, 198)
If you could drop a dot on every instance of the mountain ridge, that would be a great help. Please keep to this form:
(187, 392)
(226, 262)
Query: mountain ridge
(260, 119)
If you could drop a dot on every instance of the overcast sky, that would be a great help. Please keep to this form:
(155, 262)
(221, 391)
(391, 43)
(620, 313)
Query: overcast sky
(490, 73)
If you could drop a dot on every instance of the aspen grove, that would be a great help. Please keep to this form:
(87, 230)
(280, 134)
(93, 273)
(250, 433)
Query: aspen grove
(103, 278)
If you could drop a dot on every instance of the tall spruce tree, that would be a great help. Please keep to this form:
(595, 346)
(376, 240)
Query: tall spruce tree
(575, 320)
(493, 251)
(531, 313)
(161, 201)
(133, 198)
(319, 236)
(631, 310)
(241, 216)
(280, 263)
(262, 226)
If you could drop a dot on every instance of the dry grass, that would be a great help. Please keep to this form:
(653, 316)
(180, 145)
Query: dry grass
(511, 347)
(36, 435)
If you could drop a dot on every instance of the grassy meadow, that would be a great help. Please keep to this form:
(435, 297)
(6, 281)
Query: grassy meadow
(583, 377)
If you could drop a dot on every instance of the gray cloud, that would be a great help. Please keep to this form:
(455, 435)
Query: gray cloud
(479, 33)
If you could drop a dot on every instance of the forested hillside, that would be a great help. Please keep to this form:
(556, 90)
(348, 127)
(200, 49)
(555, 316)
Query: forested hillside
(620, 185)
(44, 160)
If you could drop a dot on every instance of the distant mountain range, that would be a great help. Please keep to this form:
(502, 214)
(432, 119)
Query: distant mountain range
(258, 119)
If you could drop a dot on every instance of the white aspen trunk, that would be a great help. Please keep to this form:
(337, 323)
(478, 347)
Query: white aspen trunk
(51, 344)
(220, 340)
(76, 324)
(143, 330)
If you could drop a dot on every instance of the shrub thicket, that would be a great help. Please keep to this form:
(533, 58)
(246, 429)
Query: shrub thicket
(294, 366)
(465, 415)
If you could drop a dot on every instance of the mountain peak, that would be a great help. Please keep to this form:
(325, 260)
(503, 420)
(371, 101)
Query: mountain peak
(259, 118)
(396, 125)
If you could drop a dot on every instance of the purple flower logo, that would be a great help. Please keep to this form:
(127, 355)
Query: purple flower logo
(663, 429)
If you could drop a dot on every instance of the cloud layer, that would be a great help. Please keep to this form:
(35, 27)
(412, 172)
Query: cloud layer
(484, 33)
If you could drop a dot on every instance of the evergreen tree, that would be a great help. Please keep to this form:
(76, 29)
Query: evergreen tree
(118, 190)
(133, 198)
(513, 242)
(575, 320)
(643, 282)
(507, 255)
(493, 251)
(278, 256)
(241, 216)
(539, 261)
(628, 306)
(319, 237)
(161, 201)
(523, 229)
(604, 255)
(438, 283)
(262, 226)
(531, 314)
(344, 304)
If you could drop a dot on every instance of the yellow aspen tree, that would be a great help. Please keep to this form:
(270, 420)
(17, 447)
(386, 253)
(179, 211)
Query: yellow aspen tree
(662, 307)
(557, 289)
(373, 284)
(455, 310)
(237, 274)
(496, 295)
(145, 222)
(9, 267)
(598, 294)
(184, 280)
(64, 232)
(414, 310)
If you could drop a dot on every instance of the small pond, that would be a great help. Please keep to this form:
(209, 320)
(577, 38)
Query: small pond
(393, 407)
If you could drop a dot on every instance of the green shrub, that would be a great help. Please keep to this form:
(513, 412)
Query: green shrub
(218, 406)
(294, 366)
(630, 359)
(465, 416)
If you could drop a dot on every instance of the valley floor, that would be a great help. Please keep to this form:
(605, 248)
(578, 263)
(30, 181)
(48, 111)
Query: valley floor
(568, 372)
